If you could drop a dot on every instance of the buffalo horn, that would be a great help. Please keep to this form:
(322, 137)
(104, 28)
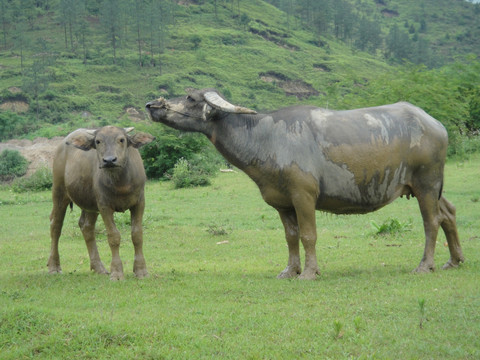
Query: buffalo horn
(216, 101)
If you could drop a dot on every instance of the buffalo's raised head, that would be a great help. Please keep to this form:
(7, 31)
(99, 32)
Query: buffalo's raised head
(110, 142)
(193, 111)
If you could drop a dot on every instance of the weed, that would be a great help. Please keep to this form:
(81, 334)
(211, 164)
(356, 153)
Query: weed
(358, 323)
(421, 305)
(217, 230)
(392, 226)
(337, 329)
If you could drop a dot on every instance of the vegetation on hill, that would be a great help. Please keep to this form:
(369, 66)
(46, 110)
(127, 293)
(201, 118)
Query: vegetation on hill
(85, 63)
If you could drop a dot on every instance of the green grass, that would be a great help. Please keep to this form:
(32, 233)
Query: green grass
(213, 255)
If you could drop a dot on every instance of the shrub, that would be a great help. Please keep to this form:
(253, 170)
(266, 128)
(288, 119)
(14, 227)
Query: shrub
(39, 181)
(185, 175)
(160, 156)
(13, 125)
(12, 165)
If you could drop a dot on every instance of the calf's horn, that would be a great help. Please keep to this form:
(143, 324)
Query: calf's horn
(216, 101)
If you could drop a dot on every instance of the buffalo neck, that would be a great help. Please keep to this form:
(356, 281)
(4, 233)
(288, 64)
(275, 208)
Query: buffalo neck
(238, 139)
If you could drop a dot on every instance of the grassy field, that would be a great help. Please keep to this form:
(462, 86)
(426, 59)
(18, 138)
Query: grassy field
(213, 255)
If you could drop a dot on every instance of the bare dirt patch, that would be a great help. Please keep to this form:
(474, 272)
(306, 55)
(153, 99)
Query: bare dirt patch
(297, 88)
(134, 114)
(389, 13)
(15, 106)
(38, 152)
(15, 90)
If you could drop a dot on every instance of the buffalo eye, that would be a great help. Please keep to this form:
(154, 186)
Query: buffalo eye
(122, 140)
(97, 142)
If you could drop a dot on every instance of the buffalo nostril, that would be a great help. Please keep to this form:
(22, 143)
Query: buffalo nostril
(109, 160)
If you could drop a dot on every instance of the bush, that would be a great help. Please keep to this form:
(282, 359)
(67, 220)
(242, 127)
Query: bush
(160, 156)
(39, 181)
(12, 165)
(197, 170)
(185, 175)
(13, 125)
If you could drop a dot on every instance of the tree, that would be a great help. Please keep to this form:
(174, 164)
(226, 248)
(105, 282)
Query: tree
(35, 82)
(4, 18)
(368, 35)
(139, 11)
(473, 122)
(111, 20)
(423, 25)
(159, 16)
(37, 77)
(27, 8)
(82, 30)
(244, 20)
(322, 15)
(67, 18)
(421, 52)
(397, 44)
(343, 20)
(21, 41)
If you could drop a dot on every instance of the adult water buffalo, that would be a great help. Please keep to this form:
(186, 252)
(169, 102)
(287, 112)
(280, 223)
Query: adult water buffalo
(346, 162)
(106, 179)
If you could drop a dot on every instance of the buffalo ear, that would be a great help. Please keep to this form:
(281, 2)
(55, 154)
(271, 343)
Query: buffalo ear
(83, 139)
(139, 139)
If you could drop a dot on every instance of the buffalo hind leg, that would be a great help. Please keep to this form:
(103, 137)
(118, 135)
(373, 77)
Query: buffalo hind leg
(136, 215)
(449, 226)
(305, 210)
(87, 226)
(429, 208)
(289, 221)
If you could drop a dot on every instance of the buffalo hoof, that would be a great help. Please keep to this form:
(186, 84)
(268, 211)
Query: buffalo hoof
(424, 268)
(140, 274)
(56, 270)
(309, 275)
(114, 276)
(289, 272)
(53, 265)
(99, 268)
(451, 264)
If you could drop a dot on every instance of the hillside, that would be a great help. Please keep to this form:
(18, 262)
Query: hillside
(65, 64)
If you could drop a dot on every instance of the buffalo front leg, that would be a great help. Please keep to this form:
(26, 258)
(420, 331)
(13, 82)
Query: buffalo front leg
(116, 267)
(57, 217)
(139, 265)
(289, 221)
(449, 226)
(87, 226)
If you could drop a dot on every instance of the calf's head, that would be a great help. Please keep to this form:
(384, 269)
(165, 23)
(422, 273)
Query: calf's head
(193, 111)
(110, 142)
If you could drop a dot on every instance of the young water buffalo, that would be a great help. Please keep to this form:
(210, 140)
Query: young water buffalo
(346, 162)
(108, 178)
